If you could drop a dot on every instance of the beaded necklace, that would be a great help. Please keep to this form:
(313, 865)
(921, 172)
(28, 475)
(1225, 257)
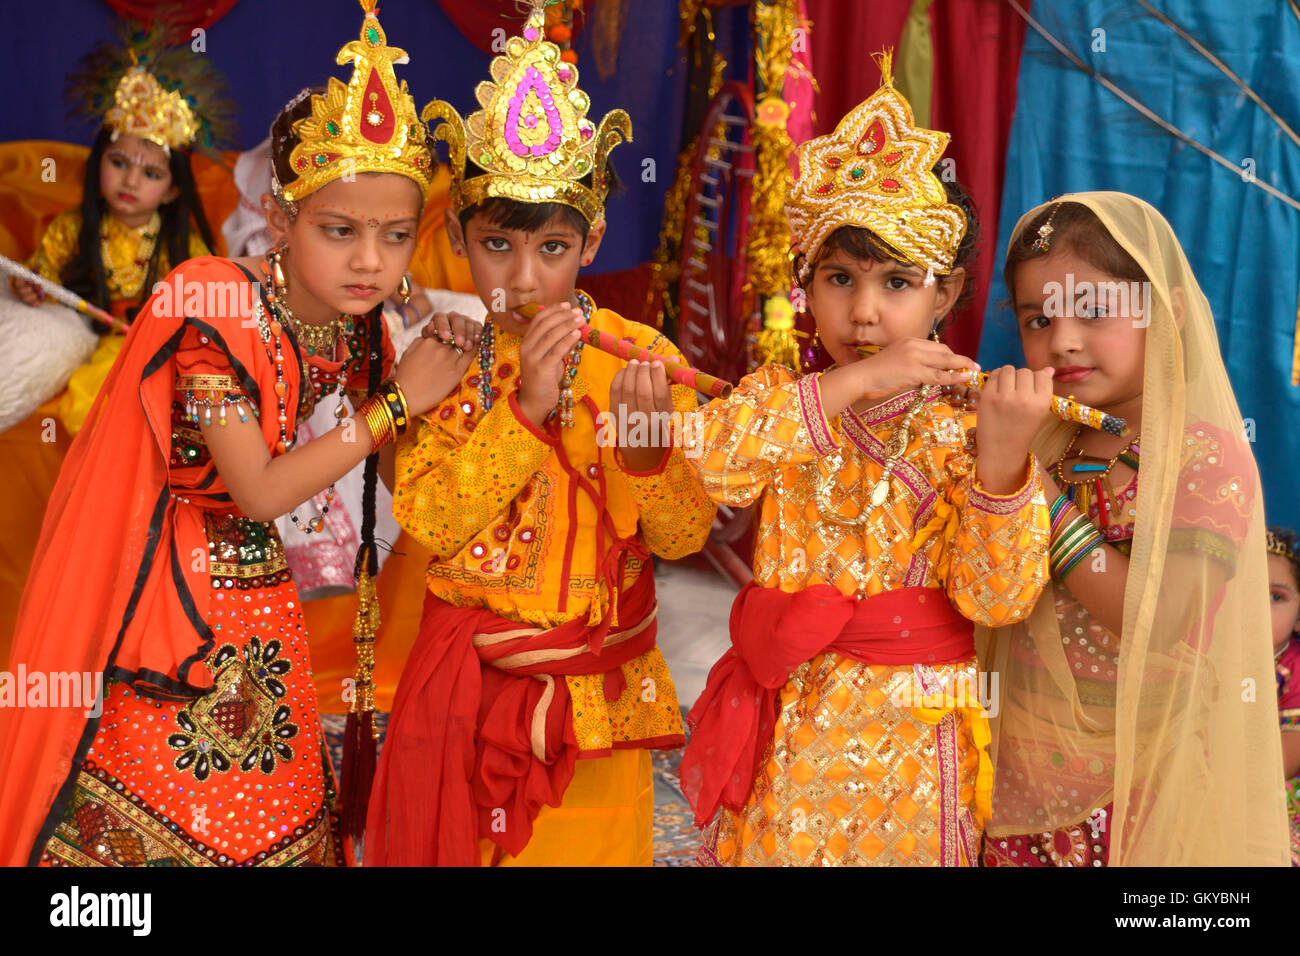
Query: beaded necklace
(1089, 477)
(271, 328)
(899, 439)
(487, 357)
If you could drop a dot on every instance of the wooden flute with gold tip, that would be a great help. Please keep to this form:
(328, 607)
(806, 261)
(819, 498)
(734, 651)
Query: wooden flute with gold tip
(1066, 409)
(678, 372)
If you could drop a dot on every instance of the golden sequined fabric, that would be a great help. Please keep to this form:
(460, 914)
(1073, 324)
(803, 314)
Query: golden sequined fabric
(856, 774)
(511, 531)
(770, 442)
(851, 779)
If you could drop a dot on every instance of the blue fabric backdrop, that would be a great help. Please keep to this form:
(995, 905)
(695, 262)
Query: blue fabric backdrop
(1071, 134)
(270, 49)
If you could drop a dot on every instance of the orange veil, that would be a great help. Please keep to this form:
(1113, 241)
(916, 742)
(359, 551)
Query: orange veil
(120, 584)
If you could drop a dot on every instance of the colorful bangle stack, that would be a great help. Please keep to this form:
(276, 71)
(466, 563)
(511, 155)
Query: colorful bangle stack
(1073, 538)
(386, 415)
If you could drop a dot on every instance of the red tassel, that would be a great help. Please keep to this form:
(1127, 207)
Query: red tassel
(358, 772)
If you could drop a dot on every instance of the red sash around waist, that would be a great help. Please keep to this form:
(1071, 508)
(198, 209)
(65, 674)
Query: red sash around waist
(772, 633)
(481, 732)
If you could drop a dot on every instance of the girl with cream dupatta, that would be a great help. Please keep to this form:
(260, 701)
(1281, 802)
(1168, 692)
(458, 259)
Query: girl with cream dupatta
(1137, 723)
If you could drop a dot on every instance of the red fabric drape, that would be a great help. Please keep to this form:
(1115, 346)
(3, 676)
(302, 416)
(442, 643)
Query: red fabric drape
(460, 761)
(976, 64)
(185, 13)
(843, 37)
(772, 633)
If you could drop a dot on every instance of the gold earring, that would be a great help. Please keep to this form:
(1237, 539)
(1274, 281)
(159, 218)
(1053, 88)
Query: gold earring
(279, 284)
(404, 289)
(934, 331)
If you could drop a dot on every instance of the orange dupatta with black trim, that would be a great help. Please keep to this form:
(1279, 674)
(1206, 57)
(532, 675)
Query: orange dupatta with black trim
(120, 584)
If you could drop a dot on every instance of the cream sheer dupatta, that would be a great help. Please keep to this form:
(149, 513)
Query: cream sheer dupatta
(1184, 737)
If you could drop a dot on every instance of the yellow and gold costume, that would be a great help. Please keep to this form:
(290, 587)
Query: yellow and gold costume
(541, 539)
(511, 531)
(851, 776)
(852, 683)
(126, 252)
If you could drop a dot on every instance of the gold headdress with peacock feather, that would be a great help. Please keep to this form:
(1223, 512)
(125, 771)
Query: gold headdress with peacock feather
(147, 85)
(532, 137)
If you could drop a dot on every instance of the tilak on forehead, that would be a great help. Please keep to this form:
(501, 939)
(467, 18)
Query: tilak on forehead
(368, 125)
(532, 137)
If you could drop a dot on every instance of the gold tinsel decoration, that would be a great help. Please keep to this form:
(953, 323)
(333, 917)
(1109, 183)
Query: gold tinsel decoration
(767, 248)
(665, 270)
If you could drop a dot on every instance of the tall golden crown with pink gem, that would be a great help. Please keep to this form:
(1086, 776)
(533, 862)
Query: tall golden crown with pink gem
(532, 137)
(367, 126)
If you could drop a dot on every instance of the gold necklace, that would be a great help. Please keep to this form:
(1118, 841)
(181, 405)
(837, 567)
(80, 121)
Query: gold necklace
(126, 280)
(316, 339)
(899, 439)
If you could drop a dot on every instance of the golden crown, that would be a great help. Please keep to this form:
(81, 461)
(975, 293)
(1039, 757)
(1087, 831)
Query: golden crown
(1279, 545)
(532, 137)
(147, 82)
(367, 126)
(875, 171)
(141, 107)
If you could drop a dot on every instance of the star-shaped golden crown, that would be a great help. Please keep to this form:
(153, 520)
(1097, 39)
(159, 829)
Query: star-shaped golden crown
(875, 172)
(367, 126)
(532, 137)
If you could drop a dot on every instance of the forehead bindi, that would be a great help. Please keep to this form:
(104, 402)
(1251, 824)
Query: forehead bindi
(358, 217)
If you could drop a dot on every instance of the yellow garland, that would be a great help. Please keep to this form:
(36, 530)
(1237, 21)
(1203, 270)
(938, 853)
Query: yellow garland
(666, 269)
(768, 244)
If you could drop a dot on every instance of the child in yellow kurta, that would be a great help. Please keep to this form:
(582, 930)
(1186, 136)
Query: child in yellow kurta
(140, 213)
(845, 726)
(521, 728)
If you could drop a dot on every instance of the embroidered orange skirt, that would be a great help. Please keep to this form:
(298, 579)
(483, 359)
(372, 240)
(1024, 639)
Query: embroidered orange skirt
(236, 777)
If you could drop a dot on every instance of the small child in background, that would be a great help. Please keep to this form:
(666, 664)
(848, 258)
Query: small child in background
(1284, 600)
(140, 213)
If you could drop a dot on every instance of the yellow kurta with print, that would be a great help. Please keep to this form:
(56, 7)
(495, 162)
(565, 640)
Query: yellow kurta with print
(125, 251)
(512, 532)
(855, 774)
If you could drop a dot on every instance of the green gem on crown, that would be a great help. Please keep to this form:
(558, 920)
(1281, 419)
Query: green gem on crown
(857, 173)
(332, 128)
(372, 35)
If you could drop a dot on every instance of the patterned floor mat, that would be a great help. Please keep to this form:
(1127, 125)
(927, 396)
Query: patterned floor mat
(675, 838)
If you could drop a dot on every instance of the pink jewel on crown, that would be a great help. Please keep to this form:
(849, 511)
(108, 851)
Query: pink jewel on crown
(533, 81)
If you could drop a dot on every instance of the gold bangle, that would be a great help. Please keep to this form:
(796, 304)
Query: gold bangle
(379, 421)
